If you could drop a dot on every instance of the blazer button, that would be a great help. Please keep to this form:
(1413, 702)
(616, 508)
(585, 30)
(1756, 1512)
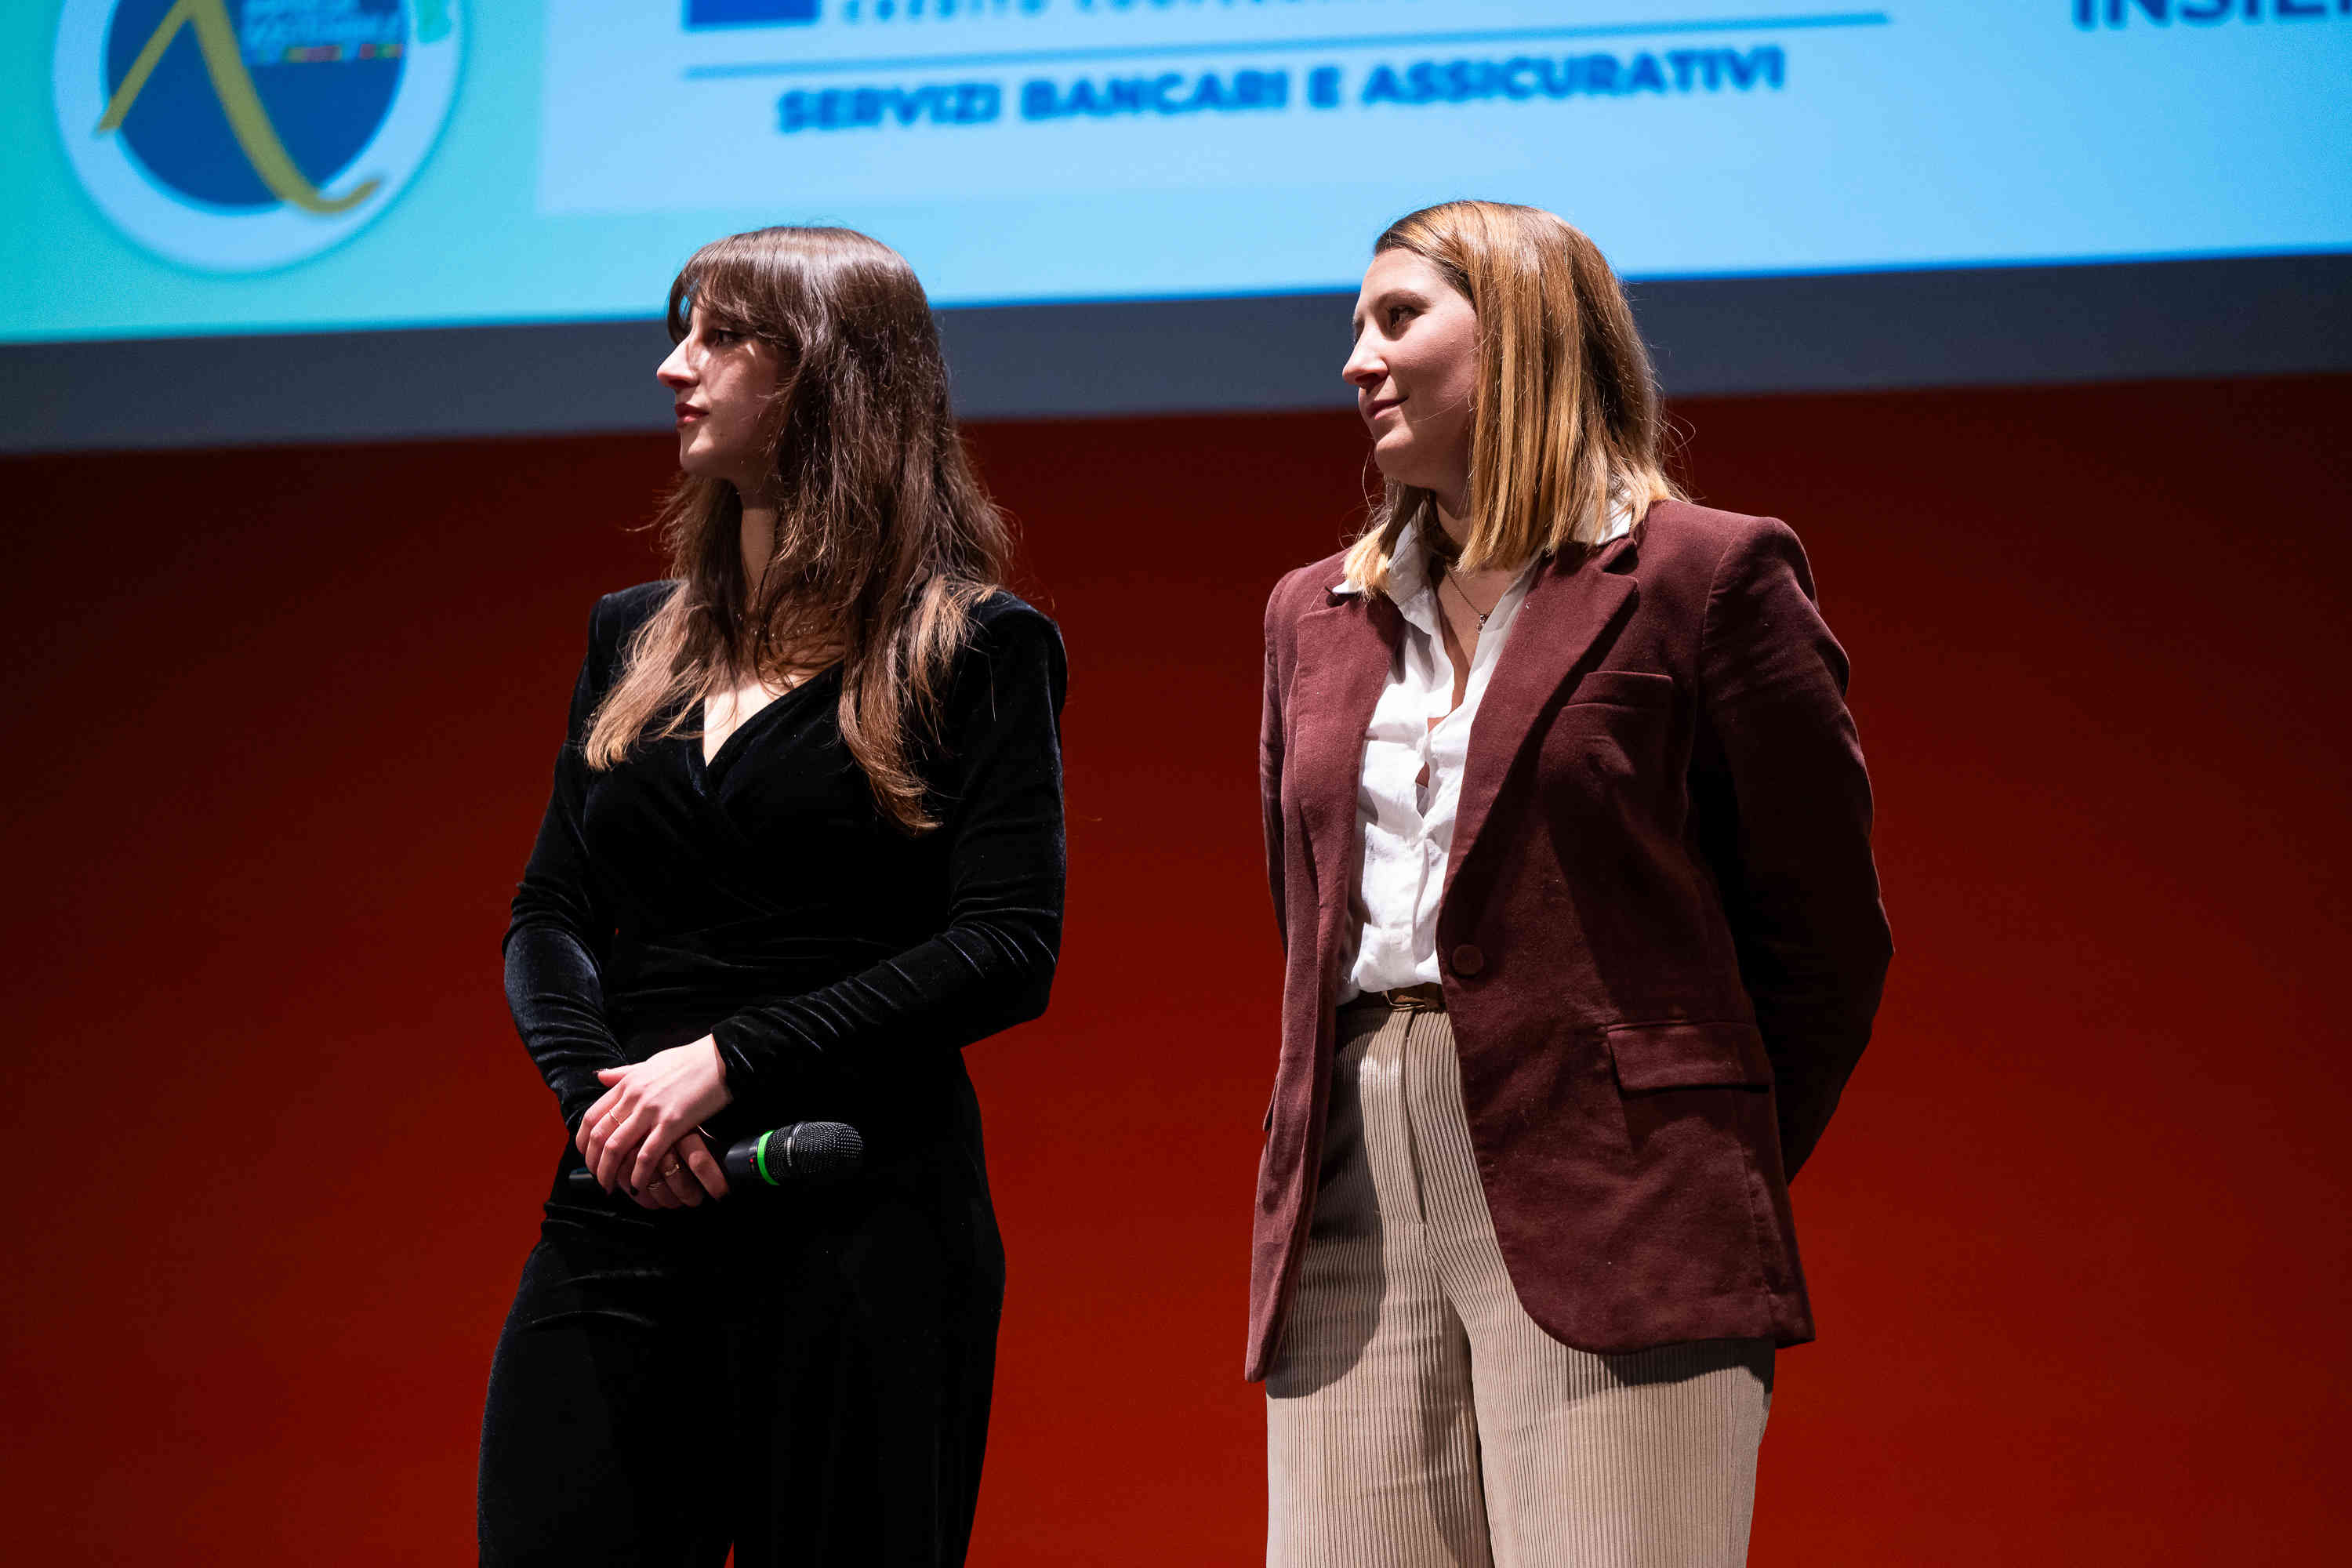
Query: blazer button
(1468, 960)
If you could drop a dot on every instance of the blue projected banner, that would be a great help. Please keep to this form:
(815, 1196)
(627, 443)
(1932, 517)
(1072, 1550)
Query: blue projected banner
(193, 166)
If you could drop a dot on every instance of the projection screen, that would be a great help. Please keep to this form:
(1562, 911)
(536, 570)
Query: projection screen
(320, 201)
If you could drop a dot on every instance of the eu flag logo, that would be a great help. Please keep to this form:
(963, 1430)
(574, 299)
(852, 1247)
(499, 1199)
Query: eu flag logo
(748, 13)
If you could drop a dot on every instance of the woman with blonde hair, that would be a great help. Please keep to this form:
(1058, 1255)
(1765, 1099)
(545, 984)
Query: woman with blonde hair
(804, 845)
(1568, 836)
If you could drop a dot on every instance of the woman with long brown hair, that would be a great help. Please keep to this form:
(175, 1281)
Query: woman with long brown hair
(1570, 840)
(804, 845)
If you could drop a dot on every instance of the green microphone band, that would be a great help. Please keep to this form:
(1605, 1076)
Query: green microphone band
(760, 1158)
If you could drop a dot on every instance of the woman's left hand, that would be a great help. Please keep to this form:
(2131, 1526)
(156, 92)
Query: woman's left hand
(646, 1108)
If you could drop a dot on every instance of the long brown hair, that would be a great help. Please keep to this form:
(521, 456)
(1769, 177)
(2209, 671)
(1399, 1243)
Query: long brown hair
(1565, 423)
(884, 541)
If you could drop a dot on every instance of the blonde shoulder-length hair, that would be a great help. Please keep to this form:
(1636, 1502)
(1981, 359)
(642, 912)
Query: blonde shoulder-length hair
(1565, 422)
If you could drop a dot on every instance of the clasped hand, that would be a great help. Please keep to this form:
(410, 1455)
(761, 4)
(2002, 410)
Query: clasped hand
(641, 1135)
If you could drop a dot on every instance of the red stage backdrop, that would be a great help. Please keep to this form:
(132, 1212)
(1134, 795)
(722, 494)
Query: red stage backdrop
(279, 729)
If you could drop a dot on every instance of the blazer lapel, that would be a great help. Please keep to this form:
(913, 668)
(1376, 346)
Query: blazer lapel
(1345, 650)
(1570, 608)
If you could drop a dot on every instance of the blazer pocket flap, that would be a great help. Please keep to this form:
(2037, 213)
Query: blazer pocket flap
(1625, 688)
(1689, 1056)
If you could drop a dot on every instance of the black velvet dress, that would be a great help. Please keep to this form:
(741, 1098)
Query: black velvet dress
(803, 1374)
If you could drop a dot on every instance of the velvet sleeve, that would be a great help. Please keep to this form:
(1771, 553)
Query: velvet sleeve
(997, 784)
(559, 932)
(1801, 890)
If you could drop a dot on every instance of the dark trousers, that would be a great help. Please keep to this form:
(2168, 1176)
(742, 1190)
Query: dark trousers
(803, 1376)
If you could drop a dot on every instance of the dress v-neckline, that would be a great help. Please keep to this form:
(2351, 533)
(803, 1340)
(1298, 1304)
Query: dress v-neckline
(706, 766)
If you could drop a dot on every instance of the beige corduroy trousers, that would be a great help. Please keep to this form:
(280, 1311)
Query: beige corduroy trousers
(1417, 1417)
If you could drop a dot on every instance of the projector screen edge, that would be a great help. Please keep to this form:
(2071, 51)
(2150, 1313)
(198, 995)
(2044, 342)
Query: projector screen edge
(2270, 315)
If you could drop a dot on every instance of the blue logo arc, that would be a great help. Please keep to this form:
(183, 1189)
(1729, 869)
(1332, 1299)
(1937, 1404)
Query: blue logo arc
(326, 73)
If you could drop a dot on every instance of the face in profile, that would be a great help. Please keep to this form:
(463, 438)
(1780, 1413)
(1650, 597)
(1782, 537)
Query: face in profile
(722, 381)
(1415, 368)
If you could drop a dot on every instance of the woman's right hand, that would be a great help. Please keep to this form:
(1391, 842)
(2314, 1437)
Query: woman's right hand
(682, 1180)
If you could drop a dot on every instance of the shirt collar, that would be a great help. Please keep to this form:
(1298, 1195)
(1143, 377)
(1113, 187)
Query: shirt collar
(1408, 566)
(1409, 563)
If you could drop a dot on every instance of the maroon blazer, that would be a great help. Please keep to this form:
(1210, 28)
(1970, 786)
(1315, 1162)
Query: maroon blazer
(1661, 937)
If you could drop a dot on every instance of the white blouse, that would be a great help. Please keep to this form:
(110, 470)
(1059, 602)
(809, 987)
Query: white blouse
(1407, 824)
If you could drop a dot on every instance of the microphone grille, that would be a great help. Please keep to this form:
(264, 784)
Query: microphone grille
(825, 1148)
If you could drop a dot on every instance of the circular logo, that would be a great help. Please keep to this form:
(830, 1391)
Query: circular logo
(236, 135)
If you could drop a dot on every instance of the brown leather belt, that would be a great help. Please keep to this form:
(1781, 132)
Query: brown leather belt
(1428, 996)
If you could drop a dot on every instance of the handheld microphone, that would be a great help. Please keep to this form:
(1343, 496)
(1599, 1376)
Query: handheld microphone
(804, 1153)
